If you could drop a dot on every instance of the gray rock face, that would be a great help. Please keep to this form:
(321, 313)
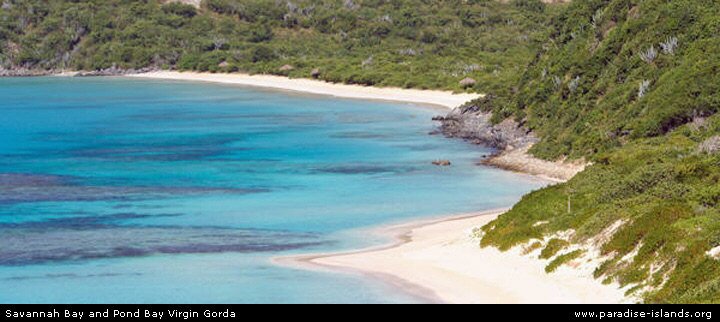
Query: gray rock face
(22, 72)
(114, 71)
(470, 123)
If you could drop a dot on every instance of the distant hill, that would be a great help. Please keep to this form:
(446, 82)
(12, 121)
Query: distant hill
(407, 43)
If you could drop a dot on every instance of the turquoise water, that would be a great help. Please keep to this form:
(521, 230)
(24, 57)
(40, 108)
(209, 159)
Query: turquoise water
(117, 190)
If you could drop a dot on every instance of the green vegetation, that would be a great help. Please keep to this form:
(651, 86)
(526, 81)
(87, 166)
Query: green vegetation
(582, 93)
(553, 246)
(665, 193)
(407, 43)
(562, 259)
(633, 86)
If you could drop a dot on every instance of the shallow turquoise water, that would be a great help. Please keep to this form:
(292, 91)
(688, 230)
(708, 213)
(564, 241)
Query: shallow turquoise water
(116, 190)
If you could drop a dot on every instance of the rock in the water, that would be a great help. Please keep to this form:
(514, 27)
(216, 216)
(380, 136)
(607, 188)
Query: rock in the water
(442, 163)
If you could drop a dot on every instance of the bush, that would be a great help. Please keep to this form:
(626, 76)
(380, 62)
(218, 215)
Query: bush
(180, 9)
(263, 53)
(531, 5)
(553, 246)
(562, 259)
(261, 33)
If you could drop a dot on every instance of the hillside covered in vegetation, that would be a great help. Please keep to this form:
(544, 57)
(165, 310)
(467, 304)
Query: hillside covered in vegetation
(407, 43)
(634, 87)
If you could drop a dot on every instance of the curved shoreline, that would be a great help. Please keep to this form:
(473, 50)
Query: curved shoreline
(438, 261)
(399, 235)
(445, 99)
(437, 276)
(509, 158)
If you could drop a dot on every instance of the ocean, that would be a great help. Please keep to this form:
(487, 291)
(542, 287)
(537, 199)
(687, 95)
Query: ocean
(117, 190)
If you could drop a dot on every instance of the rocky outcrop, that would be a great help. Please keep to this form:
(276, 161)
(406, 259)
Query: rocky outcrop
(468, 82)
(512, 141)
(470, 122)
(114, 71)
(22, 72)
(194, 3)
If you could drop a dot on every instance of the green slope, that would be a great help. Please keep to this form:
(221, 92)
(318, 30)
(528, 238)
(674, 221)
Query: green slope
(591, 79)
(409, 43)
(656, 169)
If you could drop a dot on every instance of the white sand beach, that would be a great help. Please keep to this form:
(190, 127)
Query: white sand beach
(445, 99)
(440, 261)
(518, 160)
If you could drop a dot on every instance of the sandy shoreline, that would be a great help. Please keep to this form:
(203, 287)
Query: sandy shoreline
(440, 261)
(444, 99)
(518, 160)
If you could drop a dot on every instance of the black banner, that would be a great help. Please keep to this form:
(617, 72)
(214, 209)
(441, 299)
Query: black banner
(243, 312)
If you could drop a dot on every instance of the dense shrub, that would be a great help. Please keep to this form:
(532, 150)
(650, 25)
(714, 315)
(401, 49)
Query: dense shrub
(421, 44)
(656, 170)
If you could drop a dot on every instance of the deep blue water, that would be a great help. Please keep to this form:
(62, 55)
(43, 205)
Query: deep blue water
(117, 190)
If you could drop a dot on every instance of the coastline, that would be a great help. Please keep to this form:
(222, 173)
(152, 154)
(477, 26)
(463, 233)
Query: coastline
(513, 141)
(445, 99)
(509, 158)
(439, 261)
(519, 160)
